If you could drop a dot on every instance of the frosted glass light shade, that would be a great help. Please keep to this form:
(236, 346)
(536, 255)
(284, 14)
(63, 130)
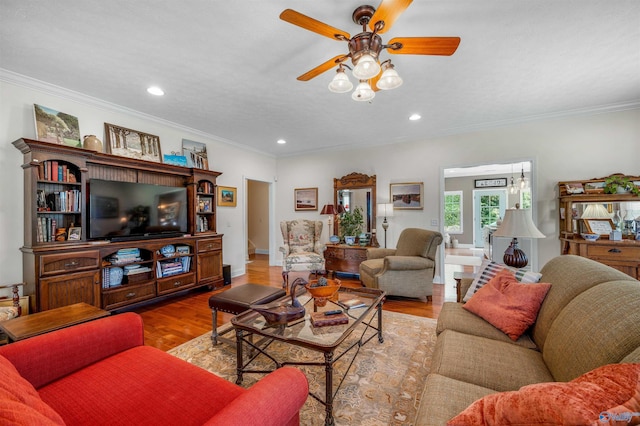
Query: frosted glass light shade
(340, 83)
(363, 92)
(389, 80)
(366, 68)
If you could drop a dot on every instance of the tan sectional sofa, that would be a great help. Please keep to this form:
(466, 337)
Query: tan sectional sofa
(589, 318)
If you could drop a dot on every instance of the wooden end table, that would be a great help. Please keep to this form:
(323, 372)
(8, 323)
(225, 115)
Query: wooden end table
(54, 319)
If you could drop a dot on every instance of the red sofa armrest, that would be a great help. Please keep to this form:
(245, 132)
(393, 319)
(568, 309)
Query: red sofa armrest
(45, 358)
(275, 400)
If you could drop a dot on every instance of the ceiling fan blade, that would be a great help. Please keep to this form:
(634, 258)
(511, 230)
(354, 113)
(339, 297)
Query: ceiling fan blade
(444, 46)
(388, 11)
(303, 21)
(322, 68)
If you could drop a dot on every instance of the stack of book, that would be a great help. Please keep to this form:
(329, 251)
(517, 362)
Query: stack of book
(127, 255)
(177, 266)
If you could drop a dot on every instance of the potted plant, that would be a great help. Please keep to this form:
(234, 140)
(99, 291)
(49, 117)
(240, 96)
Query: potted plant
(617, 184)
(351, 224)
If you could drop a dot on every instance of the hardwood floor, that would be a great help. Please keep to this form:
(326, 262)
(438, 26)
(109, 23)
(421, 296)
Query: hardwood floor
(176, 320)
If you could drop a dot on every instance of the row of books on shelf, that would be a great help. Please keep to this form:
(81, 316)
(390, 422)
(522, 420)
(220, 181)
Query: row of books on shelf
(46, 231)
(176, 266)
(60, 201)
(56, 172)
(202, 224)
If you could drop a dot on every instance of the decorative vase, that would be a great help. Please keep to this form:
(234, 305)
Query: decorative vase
(334, 239)
(91, 142)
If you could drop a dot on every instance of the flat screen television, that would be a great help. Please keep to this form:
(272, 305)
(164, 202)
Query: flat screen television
(126, 210)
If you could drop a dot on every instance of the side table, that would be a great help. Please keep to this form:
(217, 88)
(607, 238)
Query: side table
(53, 319)
(458, 276)
(344, 258)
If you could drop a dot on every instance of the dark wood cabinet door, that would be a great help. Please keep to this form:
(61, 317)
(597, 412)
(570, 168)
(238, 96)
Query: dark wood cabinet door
(68, 289)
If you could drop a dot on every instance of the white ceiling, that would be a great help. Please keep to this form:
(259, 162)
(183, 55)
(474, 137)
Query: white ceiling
(229, 68)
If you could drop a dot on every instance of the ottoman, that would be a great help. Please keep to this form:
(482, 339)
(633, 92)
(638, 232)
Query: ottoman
(237, 300)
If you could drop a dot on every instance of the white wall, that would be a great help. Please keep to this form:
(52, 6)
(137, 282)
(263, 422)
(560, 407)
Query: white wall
(579, 147)
(16, 121)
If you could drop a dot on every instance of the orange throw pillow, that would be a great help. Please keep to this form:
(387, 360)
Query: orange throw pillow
(608, 395)
(508, 304)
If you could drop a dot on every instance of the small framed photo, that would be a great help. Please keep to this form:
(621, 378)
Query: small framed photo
(132, 143)
(175, 159)
(406, 196)
(227, 196)
(74, 234)
(305, 199)
(599, 226)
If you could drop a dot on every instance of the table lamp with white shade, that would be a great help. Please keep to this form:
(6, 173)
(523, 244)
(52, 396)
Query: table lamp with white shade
(517, 223)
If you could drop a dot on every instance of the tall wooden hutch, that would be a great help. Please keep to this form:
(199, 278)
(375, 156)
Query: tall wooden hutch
(60, 271)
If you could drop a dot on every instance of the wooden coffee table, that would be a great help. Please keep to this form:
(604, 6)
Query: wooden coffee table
(54, 319)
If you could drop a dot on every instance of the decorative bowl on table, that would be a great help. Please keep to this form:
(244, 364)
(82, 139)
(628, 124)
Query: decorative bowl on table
(590, 237)
(323, 289)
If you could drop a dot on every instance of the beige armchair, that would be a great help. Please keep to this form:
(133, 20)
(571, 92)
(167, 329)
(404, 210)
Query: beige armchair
(302, 248)
(407, 270)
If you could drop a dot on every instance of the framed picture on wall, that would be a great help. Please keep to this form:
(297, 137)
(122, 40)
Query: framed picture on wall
(406, 196)
(227, 196)
(305, 199)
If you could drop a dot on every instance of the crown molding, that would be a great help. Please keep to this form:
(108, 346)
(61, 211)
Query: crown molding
(51, 89)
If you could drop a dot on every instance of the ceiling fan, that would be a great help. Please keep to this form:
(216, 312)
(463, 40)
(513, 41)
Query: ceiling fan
(365, 48)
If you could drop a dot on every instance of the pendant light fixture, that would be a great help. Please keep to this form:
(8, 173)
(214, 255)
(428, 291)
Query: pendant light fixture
(523, 182)
(513, 189)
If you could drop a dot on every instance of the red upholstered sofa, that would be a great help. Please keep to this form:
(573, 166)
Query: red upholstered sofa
(100, 373)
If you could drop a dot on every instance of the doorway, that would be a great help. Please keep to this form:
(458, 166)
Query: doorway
(460, 221)
(258, 218)
(488, 209)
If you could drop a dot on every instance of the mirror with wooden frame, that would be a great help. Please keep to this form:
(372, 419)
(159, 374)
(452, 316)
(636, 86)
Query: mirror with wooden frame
(353, 190)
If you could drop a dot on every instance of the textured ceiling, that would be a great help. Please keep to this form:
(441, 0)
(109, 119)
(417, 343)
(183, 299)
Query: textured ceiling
(229, 68)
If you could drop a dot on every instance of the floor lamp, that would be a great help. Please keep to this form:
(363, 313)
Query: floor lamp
(517, 223)
(385, 210)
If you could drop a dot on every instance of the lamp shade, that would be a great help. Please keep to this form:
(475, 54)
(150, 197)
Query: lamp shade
(363, 92)
(340, 82)
(595, 211)
(366, 68)
(389, 79)
(518, 223)
(385, 210)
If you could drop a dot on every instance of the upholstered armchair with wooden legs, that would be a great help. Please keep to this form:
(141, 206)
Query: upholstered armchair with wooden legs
(302, 249)
(407, 270)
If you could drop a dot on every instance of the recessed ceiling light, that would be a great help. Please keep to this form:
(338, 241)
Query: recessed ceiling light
(415, 117)
(281, 141)
(155, 90)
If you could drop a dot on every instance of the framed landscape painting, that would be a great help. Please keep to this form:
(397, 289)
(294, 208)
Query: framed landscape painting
(56, 127)
(406, 196)
(227, 196)
(132, 143)
(306, 198)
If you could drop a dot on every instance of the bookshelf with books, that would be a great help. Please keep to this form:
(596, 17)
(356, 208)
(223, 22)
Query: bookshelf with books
(62, 266)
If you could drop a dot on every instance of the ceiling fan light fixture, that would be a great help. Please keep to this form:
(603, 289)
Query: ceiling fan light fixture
(363, 92)
(366, 68)
(390, 78)
(340, 82)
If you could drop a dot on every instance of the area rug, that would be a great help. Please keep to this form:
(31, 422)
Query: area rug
(383, 386)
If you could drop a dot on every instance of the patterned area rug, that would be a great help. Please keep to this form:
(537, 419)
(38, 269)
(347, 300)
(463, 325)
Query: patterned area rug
(383, 386)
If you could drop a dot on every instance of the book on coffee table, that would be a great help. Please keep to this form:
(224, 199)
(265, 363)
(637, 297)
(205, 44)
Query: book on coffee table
(352, 303)
(319, 319)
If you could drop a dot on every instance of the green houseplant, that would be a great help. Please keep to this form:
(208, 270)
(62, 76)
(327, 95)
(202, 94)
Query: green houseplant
(615, 184)
(351, 223)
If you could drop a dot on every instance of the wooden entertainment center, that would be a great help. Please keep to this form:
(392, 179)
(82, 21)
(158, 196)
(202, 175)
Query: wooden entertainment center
(59, 270)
